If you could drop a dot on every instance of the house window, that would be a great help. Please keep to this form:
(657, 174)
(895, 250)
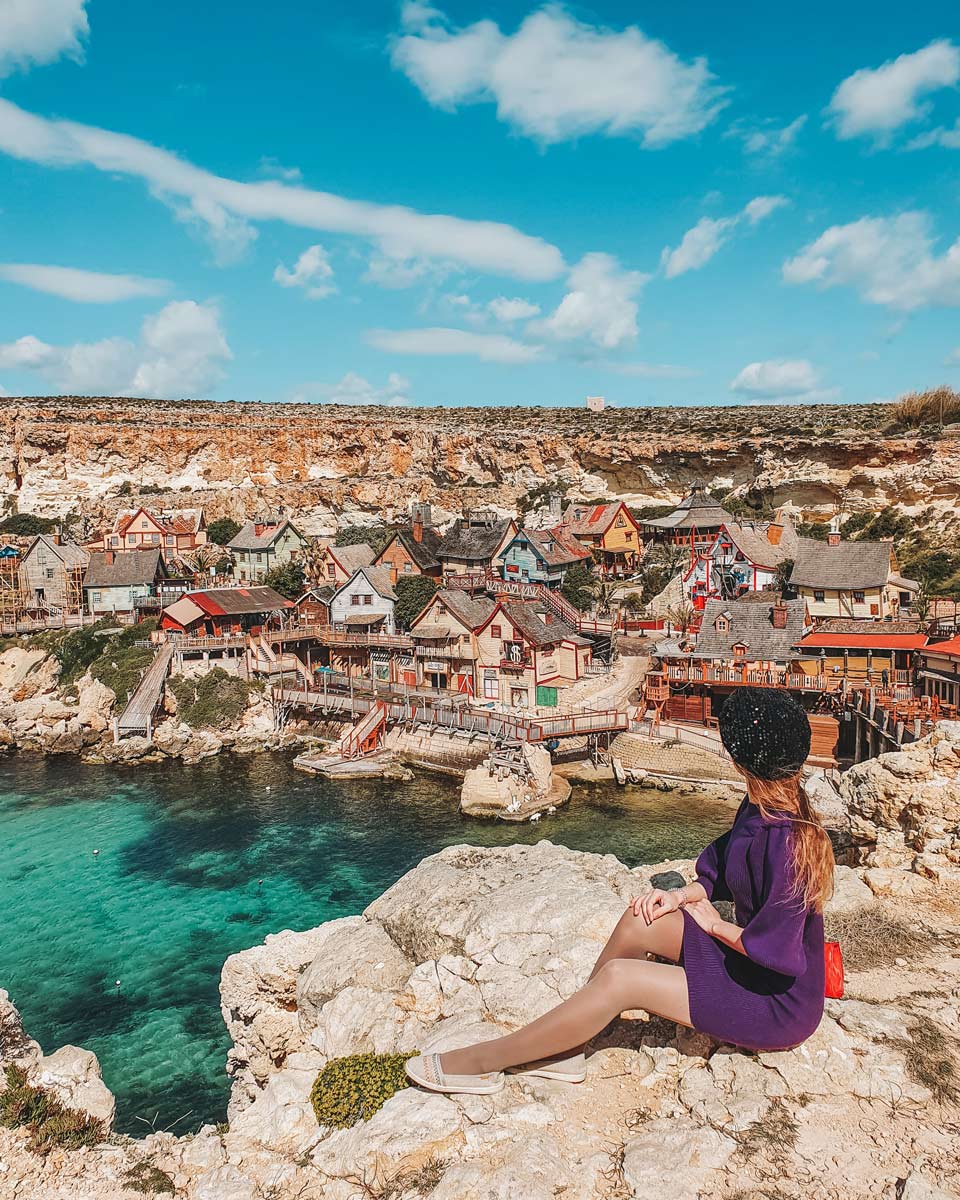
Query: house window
(620, 521)
(368, 599)
(49, 572)
(155, 538)
(259, 557)
(144, 524)
(114, 541)
(95, 597)
(721, 624)
(408, 568)
(170, 539)
(491, 688)
(628, 537)
(859, 598)
(739, 649)
(331, 570)
(818, 595)
(354, 601)
(495, 631)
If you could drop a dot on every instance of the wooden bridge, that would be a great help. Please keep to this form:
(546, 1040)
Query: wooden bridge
(446, 712)
(137, 717)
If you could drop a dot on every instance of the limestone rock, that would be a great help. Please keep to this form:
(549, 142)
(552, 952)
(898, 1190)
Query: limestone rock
(693, 1151)
(15, 1046)
(358, 954)
(73, 1075)
(225, 1183)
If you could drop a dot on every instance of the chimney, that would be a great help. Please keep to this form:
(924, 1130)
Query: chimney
(556, 508)
(780, 616)
(833, 537)
(417, 527)
(109, 555)
(774, 533)
(57, 536)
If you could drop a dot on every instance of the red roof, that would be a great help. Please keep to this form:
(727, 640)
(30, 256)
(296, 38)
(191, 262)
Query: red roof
(863, 641)
(950, 648)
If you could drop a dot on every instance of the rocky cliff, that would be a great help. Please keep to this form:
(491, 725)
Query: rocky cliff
(318, 461)
(474, 941)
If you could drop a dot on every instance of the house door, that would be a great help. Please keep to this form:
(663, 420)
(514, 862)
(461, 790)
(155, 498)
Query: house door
(546, 696)
(437, 680)
(465, 683)
(518, 697)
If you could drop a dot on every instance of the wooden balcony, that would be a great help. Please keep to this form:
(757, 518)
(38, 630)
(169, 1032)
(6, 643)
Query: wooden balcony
(454, 653)
(745, 676)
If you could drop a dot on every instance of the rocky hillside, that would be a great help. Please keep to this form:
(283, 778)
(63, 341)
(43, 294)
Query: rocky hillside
(474, 941)
(58, 453)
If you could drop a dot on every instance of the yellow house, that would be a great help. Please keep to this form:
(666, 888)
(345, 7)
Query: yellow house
(850, 579)
(609, 531)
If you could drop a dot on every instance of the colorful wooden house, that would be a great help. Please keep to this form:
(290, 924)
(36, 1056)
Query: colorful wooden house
(365, 603)
(858, 649)
(313, 607)
(413, 550)
(445, 641)
(940, 674)
(177, 534)
(120, 581)
(850, 579)
(262, 544)
(51, 571)
(742, 557)
(525, 655)
(695, 522)
(542, 556)
(337, 564)
(476, 542)
(219, 612)
(609, 531)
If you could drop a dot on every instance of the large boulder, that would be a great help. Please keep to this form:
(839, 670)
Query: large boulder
(73, 1075)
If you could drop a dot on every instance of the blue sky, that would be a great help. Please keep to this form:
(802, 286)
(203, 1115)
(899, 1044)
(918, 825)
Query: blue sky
(479, 202)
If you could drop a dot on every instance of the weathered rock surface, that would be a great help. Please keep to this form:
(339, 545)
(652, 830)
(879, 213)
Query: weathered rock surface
(512, 795)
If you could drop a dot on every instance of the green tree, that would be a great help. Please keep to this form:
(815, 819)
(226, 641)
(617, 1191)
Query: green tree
(26, 525)
(375, 536)
(783, 572)
(413, 595)
(576, 586)
(223, 530)
(288, 579)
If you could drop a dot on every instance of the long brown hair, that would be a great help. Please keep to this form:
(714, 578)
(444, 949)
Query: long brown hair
(812, 859)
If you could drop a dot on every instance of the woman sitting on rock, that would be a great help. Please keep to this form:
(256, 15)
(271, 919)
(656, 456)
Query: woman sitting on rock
(757, 982)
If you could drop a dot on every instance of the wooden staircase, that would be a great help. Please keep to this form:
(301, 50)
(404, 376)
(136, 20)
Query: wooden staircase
(366, 737)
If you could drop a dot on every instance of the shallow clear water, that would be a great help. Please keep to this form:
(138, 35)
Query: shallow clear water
(198, 862)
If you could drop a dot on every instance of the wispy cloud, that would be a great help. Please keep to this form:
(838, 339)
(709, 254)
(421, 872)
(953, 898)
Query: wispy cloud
(558, 78)
(701, 242)
(86, 287)
(36, 32)
(354, 389)
(442, 342)
(312, 272)
(225, 207)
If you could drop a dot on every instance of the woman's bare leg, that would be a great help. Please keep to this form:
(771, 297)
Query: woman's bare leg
(619, 984)
(634, 938)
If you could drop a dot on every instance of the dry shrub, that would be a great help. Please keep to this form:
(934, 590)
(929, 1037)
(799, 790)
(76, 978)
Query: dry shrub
(874, 936)
(931, 1059)
(938, 406)
(775, 1133)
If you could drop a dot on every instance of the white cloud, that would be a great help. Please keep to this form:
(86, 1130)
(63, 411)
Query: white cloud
(395, 273)
(517, 309)
(769, 139)
(439, 341)
(700, 243)
(558, 78)
(312, 272)
(86, 287)
(889, 260)
(876, 102)
(272, 168)
(180, 352)
(776, 378)
(354, 389)
(600, 306)
(34, 32)
(224, 207)
(941, 136)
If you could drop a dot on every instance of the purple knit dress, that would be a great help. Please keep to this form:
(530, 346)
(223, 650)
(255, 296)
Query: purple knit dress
(771, 998)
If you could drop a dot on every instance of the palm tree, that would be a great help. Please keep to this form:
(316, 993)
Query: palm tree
(681, 616)
(603, 592)
(203, 559)
(311, 559)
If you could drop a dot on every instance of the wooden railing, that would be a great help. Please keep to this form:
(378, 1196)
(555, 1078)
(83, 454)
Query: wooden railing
(697, 672)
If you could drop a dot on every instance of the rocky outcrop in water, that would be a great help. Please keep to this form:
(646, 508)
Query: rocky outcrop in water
(327, 463)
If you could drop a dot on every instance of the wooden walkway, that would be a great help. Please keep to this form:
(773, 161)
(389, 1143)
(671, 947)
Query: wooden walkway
(441, 714)
(137, 717)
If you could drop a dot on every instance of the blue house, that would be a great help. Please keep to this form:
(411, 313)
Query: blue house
(542, 556)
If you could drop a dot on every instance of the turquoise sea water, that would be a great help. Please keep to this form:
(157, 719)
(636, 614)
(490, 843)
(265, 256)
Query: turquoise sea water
(198, 862)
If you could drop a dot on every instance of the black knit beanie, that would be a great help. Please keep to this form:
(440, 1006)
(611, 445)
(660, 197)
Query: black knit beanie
(765, 731)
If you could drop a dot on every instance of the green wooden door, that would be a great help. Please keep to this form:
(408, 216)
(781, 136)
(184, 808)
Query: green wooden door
(546, 696)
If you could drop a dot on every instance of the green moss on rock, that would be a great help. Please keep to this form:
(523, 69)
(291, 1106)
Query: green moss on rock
(352, 1089)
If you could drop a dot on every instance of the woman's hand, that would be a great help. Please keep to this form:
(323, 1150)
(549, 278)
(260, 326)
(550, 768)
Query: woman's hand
(654, 904)
(705, 915)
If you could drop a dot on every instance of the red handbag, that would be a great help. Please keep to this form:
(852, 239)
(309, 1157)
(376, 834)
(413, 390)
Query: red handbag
(833, 975)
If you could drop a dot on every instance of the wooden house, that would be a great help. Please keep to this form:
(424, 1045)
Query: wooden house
(445, 641)
(940, 673)
(525, 655)
(313, 607)
(365, 603)
(850, 579)
(475, 543)
(177, 534)
(51, 572)
(742, 557)
(542, 556)
(413, 550)
(609, 531)
(858, 649)
(219, 612)
(262, 544)
(337, 564)
(122, 581)
(695, 522)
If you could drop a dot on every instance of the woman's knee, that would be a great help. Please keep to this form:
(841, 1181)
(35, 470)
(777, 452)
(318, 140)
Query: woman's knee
(619, 977)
